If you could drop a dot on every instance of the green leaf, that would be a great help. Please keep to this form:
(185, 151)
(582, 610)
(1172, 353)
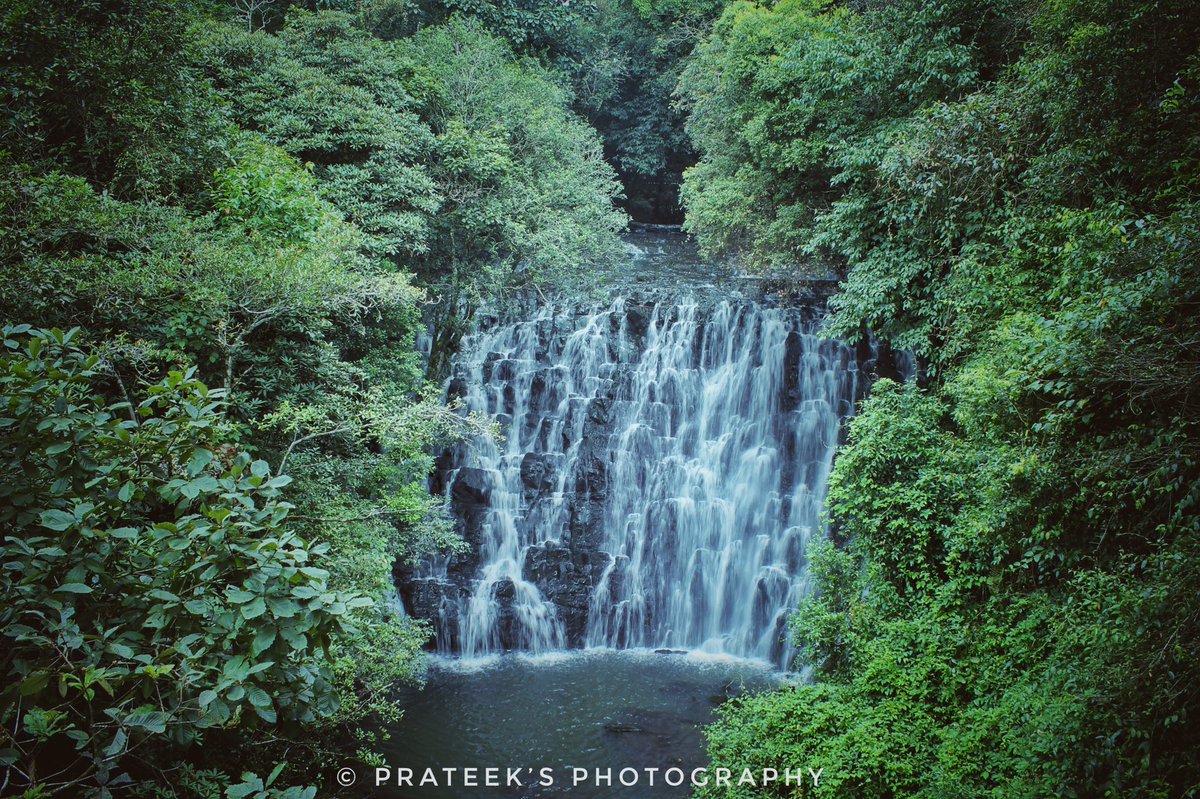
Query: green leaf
(201, 457)
(151, 720)
(57, 520)
(120, 650)
(262, 641)
(254, 609)
(283, 608)
(245, 788)
(118, 743)
(239, 596)
(74, 588)
(34, 683)
(258, 697)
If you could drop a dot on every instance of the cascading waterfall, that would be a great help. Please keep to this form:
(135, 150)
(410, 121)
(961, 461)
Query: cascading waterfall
(661, 470)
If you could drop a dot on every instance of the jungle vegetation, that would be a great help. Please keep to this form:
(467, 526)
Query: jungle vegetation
(225, 224)
(222, 231)
(1008, 604)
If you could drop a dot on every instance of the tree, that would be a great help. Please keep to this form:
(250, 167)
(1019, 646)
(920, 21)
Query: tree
(153, 595)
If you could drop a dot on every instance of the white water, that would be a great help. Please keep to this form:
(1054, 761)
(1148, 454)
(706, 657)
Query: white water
(718, 438)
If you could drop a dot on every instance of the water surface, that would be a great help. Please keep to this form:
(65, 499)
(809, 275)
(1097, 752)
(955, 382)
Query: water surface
(596, 710)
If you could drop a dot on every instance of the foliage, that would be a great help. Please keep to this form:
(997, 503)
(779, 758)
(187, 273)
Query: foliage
(1007, 606)
(776, 93)
(456, 158)
(629, 60)
(123, 109)
(193, 193)
(151, 590)
(343, 102)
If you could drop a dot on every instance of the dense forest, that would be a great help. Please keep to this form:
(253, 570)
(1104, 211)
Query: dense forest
(1008, 601)
(226, 225)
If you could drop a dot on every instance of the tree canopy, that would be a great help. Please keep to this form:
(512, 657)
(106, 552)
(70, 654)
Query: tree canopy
(1007, 605)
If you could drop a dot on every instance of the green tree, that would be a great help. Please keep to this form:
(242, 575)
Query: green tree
(458, 159)
(153, 595)
(1007, 605)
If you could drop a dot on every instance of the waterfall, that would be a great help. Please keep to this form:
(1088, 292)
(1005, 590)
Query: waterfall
(661, 469)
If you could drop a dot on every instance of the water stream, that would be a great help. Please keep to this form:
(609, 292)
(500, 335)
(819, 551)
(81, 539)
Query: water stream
(662, 466)
(636, 535)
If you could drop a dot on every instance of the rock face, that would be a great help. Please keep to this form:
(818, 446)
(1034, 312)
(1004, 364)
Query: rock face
(530, 507)
(662, 465)
(661, 468)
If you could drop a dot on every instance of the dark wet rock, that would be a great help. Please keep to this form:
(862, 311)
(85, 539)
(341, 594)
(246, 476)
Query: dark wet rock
(504, 369)
(471, 486)
(599, 410)
(489, 363)
(538, 387)
(793, 349)
(535, 471)
(637, 320)
(457, 388)
(432, 599)
(553, 569)
(504, 593)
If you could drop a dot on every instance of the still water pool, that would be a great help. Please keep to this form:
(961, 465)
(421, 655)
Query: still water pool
(549, 715)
